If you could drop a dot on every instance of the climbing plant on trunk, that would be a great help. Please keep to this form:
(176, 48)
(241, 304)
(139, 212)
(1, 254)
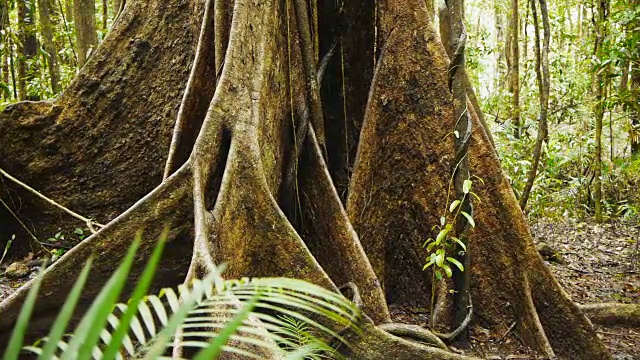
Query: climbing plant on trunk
(257, 150)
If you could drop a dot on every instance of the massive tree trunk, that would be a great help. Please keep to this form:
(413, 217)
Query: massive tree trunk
(248, 182)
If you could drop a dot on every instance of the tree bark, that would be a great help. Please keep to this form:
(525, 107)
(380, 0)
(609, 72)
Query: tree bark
(513, 66)
(84, 14)
(600, 88)
(243, 123)
(634, 134)
(68, 9)
(544, 83)
(5, 26)
(27, 47)
(46, 10)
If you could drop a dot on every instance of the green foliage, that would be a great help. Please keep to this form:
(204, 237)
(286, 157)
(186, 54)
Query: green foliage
(446, 245)
(210, 316)
(563, 185)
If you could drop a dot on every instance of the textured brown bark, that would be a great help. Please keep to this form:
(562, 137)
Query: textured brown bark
(240, 129)
(46, 11)
(84, 15)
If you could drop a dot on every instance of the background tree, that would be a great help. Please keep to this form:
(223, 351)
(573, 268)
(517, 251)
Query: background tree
(27, 47)
(600, 87)
(84, 13)
(513, 65)
(544, 82)
(46, 10)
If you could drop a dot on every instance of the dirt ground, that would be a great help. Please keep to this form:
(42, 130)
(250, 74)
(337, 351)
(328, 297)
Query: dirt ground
(601, 264)
(598, 263)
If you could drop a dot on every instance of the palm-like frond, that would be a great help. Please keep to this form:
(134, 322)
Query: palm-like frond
(209, 316)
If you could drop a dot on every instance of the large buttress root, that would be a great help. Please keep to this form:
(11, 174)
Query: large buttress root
(169, 204)
(509, 282)
(101, 146)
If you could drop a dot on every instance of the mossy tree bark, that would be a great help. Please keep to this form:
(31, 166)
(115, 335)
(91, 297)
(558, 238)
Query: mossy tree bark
(249, 181)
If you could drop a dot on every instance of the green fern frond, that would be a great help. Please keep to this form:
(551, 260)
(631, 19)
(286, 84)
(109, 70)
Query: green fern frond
(287, 316)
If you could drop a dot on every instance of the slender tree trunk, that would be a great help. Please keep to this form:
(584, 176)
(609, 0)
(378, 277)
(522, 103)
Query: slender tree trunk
(634, 134)
(28, 47)
(46, 10)
(513, 65)
(635, 110)
(6, 49)
(499, 39)
(84, 12)
(544, 80)
(105, 15)
(600, 87)
(10, 53)
(68, 9)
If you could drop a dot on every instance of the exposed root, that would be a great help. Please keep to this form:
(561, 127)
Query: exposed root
(197, 96)
(416, 333)
(613, 314)
(374, 343)
(462, 327)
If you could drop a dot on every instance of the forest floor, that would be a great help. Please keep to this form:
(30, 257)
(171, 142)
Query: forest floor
(599, 263)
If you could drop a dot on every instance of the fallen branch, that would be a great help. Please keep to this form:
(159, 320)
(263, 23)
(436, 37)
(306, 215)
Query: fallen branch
(90, 223)
(613, 313)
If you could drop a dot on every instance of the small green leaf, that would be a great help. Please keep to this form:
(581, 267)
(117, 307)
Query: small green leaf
(443, 220)
(438, 275)
(469, 218)
(442, 234)
(447, 270)
(431, 246)
(60, 325)
(454, 205)
(462, 245)
(457, 263)
(466, 186)
(427, 265)
(439, 257)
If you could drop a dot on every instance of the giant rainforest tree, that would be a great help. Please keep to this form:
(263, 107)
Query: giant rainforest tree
(285, 138)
